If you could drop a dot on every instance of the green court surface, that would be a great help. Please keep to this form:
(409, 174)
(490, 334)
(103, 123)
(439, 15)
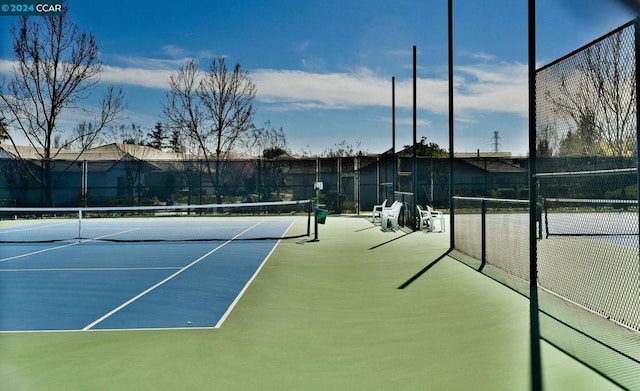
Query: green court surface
(320, 316)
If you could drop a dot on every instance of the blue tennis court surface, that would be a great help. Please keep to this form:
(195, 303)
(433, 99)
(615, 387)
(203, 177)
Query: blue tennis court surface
(94, 285)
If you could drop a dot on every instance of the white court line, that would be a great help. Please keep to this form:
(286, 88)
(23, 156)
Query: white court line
(90, 269)
(32, 228)
(38, 252)
(65, 245)
(246, 286)
(133, 299)
(107, 330)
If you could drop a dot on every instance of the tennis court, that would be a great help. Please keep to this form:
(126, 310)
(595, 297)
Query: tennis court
(91, 284)
(318, 315)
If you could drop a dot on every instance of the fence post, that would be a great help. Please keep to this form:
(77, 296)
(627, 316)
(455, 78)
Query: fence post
(636, 26)
(483, 233)
(452, 226)
(536, 359)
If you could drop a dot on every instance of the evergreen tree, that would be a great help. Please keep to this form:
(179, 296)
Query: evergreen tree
(157, 137)
(4, 130)
(175, 142)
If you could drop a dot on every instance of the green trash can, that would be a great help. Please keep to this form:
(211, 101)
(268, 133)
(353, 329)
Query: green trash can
(321, 215)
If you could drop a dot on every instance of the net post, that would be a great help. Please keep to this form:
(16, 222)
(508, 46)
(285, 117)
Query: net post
(315, 220)
(309, 209)
(316, 208)
(79, 224)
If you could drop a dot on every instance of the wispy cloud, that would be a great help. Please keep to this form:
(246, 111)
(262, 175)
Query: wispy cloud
(150, 73)
(314, 65)
(150, 78)
(298, 89)
(300, 47)
(6, 67)
(181, 53)
(174, 51)
(494, 87)
(482, 56)
(407, 121)
(148, 63)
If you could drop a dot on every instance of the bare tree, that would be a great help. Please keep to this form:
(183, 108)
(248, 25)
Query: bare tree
(228, 97)
(268, 174)
(185, 116)
(268, 141)
(131, 134)
(183, 110)
(84, 135)
(545, 140)
(55, 67)
(598, 97)
(214, 110)
(343, 149)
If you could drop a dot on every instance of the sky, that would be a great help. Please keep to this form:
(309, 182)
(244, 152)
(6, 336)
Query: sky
(323, 68)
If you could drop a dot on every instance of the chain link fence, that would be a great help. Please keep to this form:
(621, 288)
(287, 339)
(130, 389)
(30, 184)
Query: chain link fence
(351, 184)
(587, 218)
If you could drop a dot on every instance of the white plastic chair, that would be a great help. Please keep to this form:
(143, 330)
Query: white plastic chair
(427, 217)
(376, 216)
(390, 216)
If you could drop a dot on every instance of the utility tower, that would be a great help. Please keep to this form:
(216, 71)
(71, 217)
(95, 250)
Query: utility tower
(496, 141)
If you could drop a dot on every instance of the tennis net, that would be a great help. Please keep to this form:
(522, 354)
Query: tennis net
(176, 223)
(590, 217)
(494, 231)
(590, 203)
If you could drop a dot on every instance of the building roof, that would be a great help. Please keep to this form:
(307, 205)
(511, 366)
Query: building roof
(491, 154)
(9, 151)
(495, 165)
(141, 152)
(109, 152)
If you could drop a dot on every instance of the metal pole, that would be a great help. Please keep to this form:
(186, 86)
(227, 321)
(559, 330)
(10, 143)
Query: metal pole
(339, 183)
(637, 49)
(451, 130)
(394, 166)
(414, 173)
(415, 114)
(79, 224)
(356, 182)
(139, 181)
(83, 184)
(378, 179)
(393, 113)
(315, 217)
(309, 211)
(483, 235)
(431, 184)
(536, 359)
(259, 184)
